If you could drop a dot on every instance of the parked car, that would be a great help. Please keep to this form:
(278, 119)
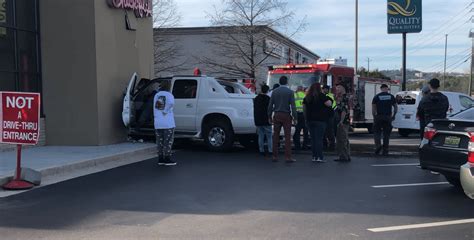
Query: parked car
(447, 145)
(217, 111)
(467, 170)
(406, 120)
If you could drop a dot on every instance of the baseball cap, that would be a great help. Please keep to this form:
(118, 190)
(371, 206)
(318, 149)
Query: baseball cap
(425, 89)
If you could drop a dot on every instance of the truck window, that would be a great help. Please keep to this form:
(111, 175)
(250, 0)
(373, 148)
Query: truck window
(466, 102)
(185, 89)
(406, 98)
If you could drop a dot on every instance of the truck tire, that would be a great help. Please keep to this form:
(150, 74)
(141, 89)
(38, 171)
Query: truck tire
(250, 142)
(218, 135)
(404, 132)
(456, 182)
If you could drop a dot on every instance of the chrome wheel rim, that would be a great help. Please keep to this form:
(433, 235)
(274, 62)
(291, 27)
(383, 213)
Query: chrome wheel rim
(217, 137)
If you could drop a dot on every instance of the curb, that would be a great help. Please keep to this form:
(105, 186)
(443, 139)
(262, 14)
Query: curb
(94, 165)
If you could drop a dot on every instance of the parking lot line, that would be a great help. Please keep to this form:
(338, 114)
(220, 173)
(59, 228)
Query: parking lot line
(424, 225)
(410, 185)
(395, 165)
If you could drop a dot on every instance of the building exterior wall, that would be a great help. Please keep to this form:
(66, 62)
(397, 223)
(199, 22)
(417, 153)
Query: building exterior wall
(119, 53)
(69, 71)
(88, 56)
(194, 43)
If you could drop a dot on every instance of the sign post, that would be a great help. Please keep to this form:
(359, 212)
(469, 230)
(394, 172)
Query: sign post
(404, 16)
(19, 119)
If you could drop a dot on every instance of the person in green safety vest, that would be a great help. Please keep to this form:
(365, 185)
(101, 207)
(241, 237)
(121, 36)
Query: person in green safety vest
(301, 123)
(330, 135)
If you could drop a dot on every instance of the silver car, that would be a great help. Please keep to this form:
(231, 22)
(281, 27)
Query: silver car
(467, 170)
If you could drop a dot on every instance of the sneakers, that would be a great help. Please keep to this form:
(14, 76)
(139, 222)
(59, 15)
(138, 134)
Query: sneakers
(378, 150)
(166, 161)
(161, 160)
(290, 160)
(317, 160)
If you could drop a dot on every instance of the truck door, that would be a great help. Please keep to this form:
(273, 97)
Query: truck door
(185, 92)
(128, 106)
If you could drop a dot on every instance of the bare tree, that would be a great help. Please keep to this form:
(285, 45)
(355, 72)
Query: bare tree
(245, 29)
(165, 15)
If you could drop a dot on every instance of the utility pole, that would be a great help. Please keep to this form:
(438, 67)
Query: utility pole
(356, 36)
(368, 66)
(445, 58)
(471, 35)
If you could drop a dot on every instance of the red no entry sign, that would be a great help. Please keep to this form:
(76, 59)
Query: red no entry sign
(19, 118)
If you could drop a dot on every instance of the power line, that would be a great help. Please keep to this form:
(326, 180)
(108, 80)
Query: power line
(435, 31)
(441, 63)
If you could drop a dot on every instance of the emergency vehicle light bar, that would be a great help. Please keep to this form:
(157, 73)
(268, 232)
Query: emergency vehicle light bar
(292, 66)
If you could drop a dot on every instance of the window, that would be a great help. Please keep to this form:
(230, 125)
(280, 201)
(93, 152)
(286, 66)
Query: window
(19, 58)
(406, 98)
(7, 50)
(185, 89)
(465, 115)
(466, 102)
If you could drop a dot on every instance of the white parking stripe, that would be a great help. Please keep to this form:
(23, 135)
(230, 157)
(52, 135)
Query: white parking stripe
(395, 165)
(424, 225)
(410, 185)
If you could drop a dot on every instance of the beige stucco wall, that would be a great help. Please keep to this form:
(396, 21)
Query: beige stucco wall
(120, 53)
(87, 58)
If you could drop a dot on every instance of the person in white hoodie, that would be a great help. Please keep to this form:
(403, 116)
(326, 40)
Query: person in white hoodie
(163, 104)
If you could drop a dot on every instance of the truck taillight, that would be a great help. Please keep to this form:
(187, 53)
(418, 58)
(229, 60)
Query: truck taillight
(470, 148)
(430, 132)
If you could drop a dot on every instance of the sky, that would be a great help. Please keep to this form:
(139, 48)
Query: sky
(331, 29)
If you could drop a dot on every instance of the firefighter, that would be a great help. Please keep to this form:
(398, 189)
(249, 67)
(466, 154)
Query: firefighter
(301, 123)
(330, 136)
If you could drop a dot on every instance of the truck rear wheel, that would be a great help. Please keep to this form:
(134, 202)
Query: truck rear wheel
(218, 135)
(456, 182)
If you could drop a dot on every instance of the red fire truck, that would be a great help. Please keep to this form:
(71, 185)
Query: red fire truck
(307, 74)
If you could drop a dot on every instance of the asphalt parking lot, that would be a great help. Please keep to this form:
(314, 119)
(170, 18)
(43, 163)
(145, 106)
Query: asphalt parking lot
(241, 195)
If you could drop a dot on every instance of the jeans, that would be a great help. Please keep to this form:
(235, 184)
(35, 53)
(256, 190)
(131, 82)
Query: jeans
(297, 136)
(317, 130)
(382, 126)
(330, 135)
(282, 120)
(265, 132)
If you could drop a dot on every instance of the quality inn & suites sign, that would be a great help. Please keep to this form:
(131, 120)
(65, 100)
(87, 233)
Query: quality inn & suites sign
(404, 16)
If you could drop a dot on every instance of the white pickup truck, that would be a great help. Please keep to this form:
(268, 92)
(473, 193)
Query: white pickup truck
(217, 111)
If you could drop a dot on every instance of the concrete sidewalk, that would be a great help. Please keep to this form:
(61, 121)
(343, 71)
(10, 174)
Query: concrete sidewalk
(61, 163)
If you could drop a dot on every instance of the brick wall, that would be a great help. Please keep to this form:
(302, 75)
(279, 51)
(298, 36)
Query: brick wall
(42, 140)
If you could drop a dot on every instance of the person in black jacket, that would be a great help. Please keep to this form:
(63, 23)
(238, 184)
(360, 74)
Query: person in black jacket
(434, 105)
(264, 128)
(384, 109)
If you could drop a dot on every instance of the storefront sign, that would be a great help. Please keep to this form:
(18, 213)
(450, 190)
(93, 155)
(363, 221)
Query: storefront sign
(404, 16)
(19, 117)
(142, 8)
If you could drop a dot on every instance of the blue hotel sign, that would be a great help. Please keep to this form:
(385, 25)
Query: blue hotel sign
(404, 16)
